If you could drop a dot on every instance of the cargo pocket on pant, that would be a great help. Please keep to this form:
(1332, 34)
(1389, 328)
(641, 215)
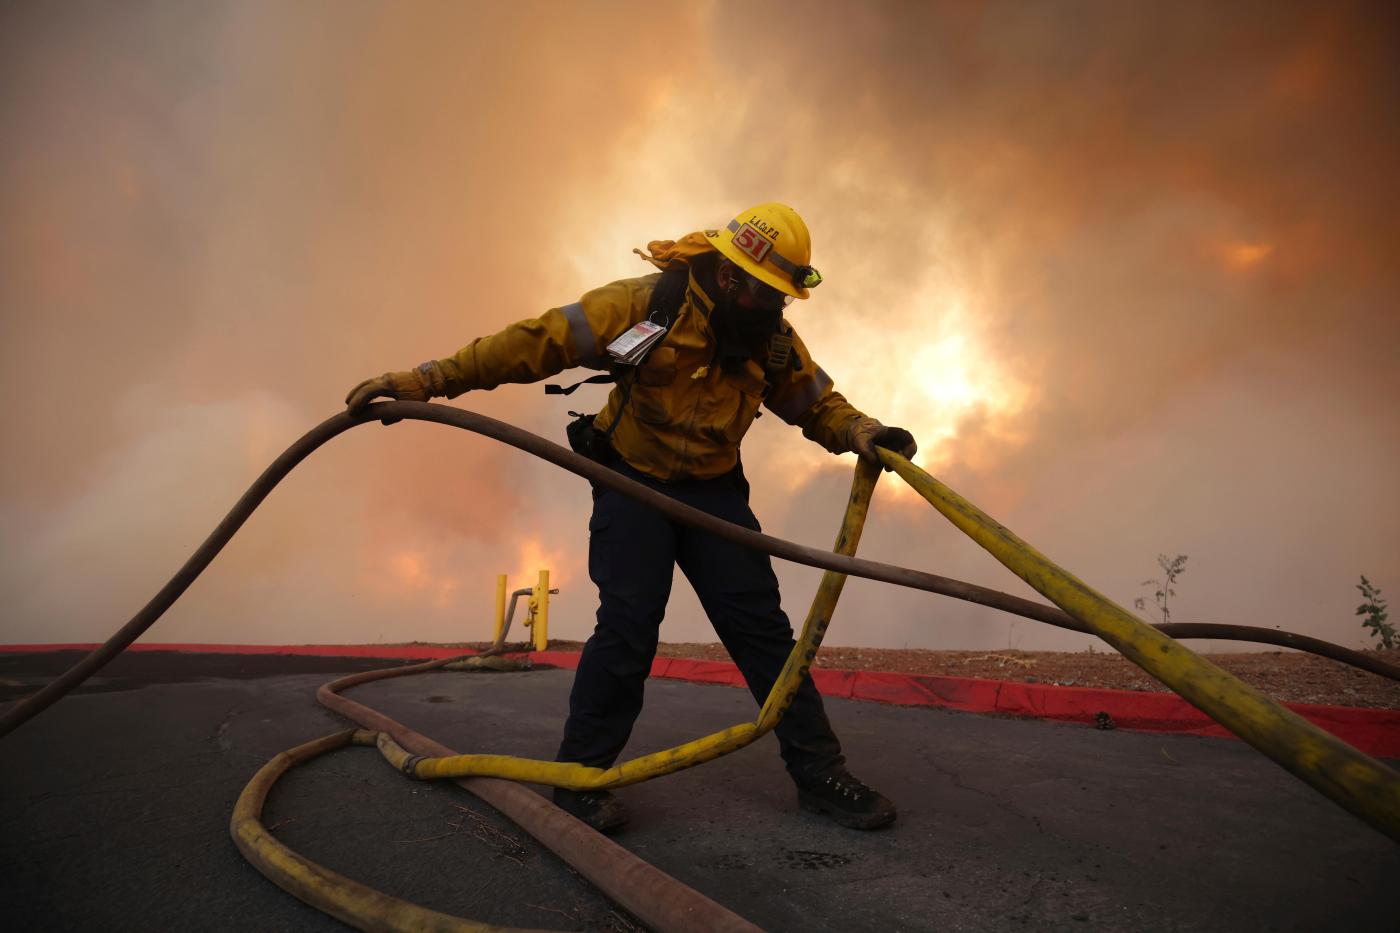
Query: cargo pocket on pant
(598, 548)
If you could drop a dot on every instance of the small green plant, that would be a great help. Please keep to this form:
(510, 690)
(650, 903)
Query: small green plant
(1375, 610)
(1172, 569)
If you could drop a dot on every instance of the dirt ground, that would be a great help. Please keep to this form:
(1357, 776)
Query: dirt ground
(1290, 676)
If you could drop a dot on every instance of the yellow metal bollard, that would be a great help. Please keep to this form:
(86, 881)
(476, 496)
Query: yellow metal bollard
(540, 604)
(532, 606)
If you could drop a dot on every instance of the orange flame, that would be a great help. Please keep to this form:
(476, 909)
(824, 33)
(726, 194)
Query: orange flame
(532, 556)
(412, 571)
(1244, 256)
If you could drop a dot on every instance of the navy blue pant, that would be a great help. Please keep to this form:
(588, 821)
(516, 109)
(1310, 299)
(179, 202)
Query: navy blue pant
(631, 554)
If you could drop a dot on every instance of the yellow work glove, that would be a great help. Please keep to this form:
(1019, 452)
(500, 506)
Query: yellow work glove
(867, 434)
(407, 386)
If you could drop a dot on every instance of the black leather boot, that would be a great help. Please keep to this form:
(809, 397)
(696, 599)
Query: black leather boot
(846, 800)
(597, 808)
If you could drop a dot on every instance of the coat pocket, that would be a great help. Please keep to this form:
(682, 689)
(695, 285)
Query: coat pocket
(659, 368)
(653, 392)
(735, 415)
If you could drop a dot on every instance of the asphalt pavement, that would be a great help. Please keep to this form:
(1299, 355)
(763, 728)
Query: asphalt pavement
(115, 806)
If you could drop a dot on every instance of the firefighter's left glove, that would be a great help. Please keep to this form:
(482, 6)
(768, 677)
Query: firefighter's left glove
(898, 440)
(408, 386)
(867, 434)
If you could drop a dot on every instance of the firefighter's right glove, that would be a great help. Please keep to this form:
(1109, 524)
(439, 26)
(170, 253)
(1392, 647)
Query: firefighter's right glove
(868, 433)
(407, 386)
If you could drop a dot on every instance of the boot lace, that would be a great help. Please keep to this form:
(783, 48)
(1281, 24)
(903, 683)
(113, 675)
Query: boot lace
(846, 785)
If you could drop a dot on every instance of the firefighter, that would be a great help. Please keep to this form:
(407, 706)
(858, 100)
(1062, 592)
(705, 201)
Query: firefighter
(674, 422)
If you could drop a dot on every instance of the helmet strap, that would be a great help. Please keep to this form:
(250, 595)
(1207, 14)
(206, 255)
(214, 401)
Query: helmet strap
(731, 291)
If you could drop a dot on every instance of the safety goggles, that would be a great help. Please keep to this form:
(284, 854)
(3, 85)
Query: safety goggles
(761, 294)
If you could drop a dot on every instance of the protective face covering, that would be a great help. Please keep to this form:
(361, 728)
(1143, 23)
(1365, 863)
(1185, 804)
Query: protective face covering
(742, 332)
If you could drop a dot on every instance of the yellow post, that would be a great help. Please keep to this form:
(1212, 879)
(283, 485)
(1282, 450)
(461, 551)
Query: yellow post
(541, 630)
(500, 609)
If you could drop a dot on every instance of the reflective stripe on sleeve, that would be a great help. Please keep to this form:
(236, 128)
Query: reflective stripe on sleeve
(799, 402)
(581, 337)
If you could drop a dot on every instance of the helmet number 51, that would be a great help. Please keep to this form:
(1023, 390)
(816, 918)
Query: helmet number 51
(752, 243)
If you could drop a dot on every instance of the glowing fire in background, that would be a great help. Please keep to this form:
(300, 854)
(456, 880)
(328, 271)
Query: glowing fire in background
(951, 381)
(532, 555)
(438, 581)
(1241, 256)
(413, 571)
(943, 200)
(938, 378)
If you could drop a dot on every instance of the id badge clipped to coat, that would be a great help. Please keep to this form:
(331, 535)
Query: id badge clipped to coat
(632, 347)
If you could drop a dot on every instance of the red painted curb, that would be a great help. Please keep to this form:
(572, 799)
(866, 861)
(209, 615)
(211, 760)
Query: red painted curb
(423, 652)
(1373, 731)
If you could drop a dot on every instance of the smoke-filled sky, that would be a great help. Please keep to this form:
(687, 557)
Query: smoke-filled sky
(1129, 271)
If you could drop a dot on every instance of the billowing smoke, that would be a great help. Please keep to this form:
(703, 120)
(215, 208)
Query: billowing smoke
(1126, 270)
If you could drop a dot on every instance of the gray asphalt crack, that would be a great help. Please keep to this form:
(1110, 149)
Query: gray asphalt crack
(957, 782)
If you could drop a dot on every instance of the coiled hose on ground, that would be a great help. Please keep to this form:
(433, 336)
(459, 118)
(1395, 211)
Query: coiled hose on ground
(1357, 782)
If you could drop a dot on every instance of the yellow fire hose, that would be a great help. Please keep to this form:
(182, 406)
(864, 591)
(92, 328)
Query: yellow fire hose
(344, 899)
(1357, 782)
(367, 909)
(1353, 779)
(654, 897)
(697, 751)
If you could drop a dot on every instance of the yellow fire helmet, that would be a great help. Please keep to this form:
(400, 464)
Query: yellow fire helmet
(771, 243)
